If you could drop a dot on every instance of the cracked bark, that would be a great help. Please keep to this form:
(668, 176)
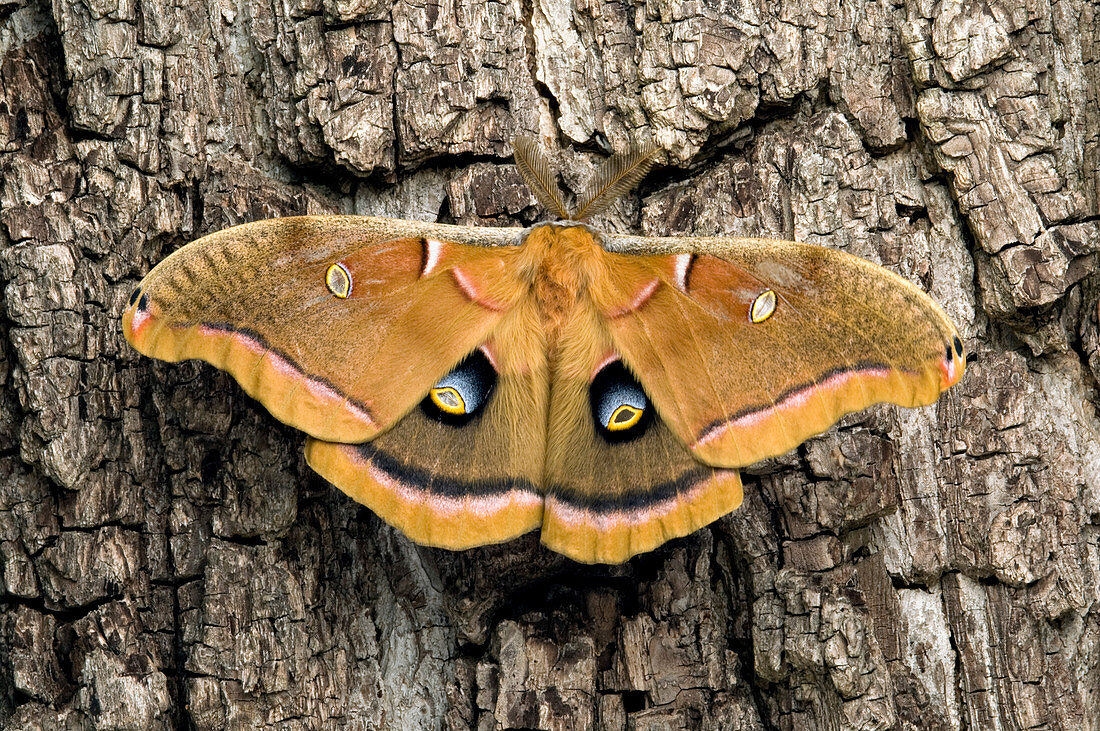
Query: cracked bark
(167, 560)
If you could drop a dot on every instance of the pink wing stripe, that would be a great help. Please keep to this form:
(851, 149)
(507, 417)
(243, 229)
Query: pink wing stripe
(482, 505)
(605, 520)
(316, 388)
(790, 403)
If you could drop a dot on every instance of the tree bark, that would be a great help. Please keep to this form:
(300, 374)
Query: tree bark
(167, 560)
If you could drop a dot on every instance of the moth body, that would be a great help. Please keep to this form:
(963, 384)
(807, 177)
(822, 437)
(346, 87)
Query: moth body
(470, 385)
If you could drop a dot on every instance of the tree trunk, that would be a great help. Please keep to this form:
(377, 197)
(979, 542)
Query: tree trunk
(167, 560)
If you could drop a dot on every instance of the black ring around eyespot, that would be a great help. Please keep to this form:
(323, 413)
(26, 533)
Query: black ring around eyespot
(134, 296)
(613, 387)
(472, 382)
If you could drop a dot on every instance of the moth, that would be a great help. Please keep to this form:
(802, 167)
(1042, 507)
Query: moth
(471, 384)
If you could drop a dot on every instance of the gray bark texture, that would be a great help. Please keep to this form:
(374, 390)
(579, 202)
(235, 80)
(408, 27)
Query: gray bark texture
(167, 560)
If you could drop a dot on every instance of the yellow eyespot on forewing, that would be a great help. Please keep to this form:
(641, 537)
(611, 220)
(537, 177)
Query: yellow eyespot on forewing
(762, 307)
(338, 280)
(624, 417)
(448, 400)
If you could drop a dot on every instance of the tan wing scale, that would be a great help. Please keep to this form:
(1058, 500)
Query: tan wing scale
(338, 353)
(607, 501)
(748, 354)
(458, 486)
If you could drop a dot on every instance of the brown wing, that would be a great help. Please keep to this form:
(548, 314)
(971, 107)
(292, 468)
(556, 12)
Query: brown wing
(459, 482)
(338, 325)
(613, 493)
(751, 349)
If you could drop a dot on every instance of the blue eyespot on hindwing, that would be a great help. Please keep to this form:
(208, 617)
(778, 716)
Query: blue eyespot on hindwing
(620, 409)
(462, 394)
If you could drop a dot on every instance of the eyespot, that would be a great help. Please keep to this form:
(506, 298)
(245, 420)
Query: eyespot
(624, 417)
(461, 394)
(620, 408)
(448, 399)
(134, 296)
(338, 280)
(762, 307)
(958, 346)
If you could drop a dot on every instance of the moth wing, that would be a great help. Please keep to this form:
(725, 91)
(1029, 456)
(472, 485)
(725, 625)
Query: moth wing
(459, 483)
(749, 346)
(337, 324)
(609, 498)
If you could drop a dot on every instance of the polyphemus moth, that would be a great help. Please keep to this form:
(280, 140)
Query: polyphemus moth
(472, 384)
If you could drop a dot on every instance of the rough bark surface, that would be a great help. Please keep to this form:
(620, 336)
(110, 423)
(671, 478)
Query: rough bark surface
(167, 560)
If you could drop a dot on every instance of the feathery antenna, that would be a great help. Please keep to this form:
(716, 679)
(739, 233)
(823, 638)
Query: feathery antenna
(615, 177)
(535, 170)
